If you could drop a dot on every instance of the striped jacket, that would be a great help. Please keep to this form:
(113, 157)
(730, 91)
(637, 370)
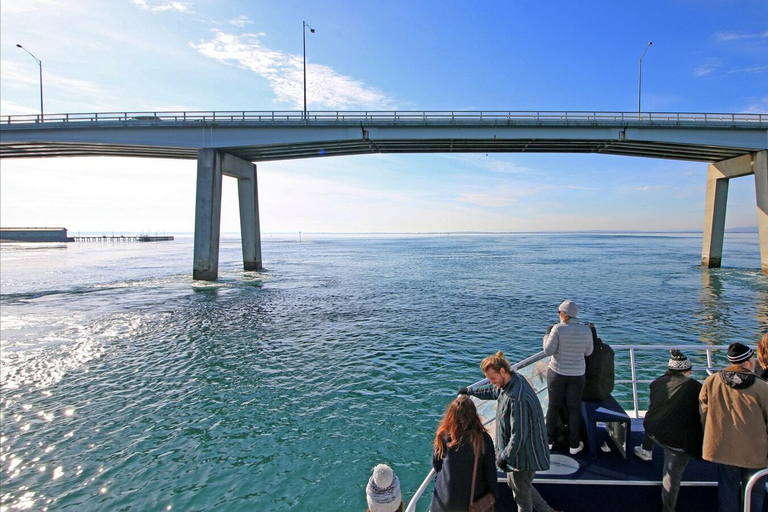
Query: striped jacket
(521, 436)
(568, 344)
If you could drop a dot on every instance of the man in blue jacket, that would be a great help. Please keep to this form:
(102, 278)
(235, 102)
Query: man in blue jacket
(521, 435)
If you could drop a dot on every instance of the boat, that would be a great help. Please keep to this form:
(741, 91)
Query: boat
(606, 475)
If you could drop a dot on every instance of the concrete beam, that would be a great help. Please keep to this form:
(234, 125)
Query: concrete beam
(207, 215)
(735, 167)
(714, 218)
(761, 193)
(236, 167)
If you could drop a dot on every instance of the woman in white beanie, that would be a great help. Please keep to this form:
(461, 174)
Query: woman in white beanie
(383, 491)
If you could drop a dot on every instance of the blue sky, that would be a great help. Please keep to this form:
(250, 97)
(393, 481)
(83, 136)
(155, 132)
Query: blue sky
(155, 55)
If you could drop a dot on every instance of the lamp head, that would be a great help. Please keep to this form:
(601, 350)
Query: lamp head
(311, 30)
(650, 43)
(19, 46)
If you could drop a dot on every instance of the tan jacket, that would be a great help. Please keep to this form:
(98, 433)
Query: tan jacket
(734, 412)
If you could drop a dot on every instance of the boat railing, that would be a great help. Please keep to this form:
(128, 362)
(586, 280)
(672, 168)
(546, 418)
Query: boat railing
(748, 489)
(423, 487)
(644, 371)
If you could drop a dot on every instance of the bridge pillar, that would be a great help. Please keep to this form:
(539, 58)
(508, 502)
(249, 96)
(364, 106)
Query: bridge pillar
(207, 215)
(715, 205)
(761, 192)
(714, 218)
(211, 166)
(248, 197)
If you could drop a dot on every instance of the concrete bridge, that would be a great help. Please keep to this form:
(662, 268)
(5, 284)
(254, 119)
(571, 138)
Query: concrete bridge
(227, 144)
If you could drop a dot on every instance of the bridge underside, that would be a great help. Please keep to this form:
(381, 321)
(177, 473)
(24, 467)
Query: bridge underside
(267, 152)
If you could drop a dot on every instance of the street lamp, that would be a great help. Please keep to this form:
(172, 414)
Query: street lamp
(39, 63)
(640, 78)
(304, 39)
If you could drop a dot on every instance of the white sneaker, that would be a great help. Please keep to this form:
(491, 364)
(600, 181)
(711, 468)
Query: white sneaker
(574, 451)
(646, 455)
(551, 445)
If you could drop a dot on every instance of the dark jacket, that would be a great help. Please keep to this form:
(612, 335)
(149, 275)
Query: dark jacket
(600, 372)
(673, 414)
(454, 477)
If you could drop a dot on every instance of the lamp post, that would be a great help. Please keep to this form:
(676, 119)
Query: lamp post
(640, 78)
(40, 64)
(304, 40)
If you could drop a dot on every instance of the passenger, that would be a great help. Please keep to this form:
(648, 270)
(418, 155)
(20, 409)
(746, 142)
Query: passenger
(600, 373)
(762, 356)
(463, 452)
(568, 343)
(383, 491)
(521, 442)
(673, 422)
(734, 411)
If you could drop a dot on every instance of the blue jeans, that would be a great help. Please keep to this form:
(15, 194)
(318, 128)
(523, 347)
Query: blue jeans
(565, 389)
(731, 481)
(675, 462)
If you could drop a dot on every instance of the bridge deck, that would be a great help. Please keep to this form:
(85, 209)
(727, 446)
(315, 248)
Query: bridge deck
(261, 136)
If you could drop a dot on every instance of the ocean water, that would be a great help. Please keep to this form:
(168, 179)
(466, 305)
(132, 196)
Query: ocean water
(128, 386)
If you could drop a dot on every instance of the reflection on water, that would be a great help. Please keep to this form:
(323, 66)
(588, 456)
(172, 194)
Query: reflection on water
(713, 313)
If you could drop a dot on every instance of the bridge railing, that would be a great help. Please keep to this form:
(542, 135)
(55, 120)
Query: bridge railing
(398, 116)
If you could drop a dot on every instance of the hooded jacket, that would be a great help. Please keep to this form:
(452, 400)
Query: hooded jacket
(734, 412)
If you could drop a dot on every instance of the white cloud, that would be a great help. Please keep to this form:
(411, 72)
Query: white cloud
(751, 69)
(489, 163)
(656, 188)
(241, 21)
(708, 67)
(9, 108)
(31, 6)
(326, 88)
(495, 197)
(759, 107)
(78, 94)
(733, 36)
(185, 7)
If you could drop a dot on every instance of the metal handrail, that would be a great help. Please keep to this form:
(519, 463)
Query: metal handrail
(634, 381)
(412, 504)
(748, 489)
(141, 118)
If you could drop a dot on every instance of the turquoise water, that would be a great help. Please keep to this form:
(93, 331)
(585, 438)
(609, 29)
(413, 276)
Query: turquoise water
(128, 386)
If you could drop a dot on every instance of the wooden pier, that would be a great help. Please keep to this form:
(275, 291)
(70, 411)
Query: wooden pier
(122, 238)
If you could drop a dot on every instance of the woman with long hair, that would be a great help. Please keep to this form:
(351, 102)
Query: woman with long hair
(762, 357)
(461, 439)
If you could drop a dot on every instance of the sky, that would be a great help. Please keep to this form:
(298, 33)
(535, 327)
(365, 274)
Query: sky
(160, 55)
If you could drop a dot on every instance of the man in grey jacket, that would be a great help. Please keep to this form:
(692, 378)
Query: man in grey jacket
(569, 342)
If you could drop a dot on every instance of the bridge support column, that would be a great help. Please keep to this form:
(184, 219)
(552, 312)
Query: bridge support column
(761, 192)
(714, 218)
(211, 166)
(207, 215)
(718, 176)
(248, 197)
